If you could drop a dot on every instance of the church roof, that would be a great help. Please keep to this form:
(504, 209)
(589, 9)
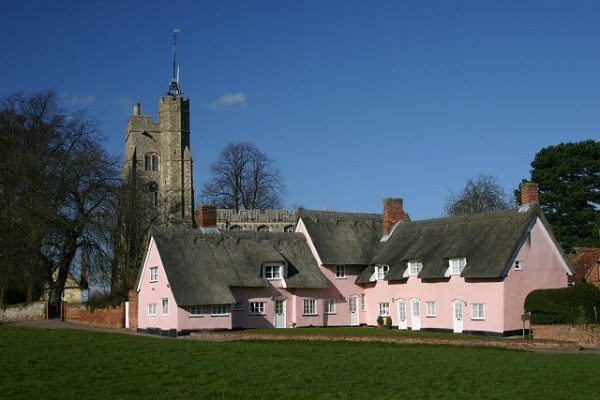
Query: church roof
(202, 268)
(341, 237)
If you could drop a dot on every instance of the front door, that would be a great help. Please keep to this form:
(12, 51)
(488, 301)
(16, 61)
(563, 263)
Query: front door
(353, 304)
(415, 314)
(279, 313)
(402, 314)
(458, 313)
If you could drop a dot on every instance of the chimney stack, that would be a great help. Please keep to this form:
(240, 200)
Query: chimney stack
(393, 211)
(207, 216)
(530, 193)
(137, 109)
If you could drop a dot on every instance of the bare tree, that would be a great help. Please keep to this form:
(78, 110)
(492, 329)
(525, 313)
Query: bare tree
(243, 177)
(480, 195)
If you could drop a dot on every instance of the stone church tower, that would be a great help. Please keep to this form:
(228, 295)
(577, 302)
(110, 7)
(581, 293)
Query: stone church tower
(159, 161)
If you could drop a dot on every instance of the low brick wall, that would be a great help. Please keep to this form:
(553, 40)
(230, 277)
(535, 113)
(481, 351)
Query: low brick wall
(484, 342)
(23, 312)
(584, 335)
(111, 317)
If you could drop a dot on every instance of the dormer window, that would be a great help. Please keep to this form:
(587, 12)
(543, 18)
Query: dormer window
(381, 271)
(414, 267)
(456, 265)
(273, 271)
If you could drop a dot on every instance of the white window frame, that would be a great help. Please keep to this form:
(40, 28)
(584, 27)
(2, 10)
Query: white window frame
(384, 309)
(457, 265)
(518, 265)
(165, 306)
(478, 311)
(382, 271)
(219, 310)
(152, 309)
(257, 307)
(153, 274)
(431, 309)
(196, 311)
(239, 306)
(329, 306)
(414, 267)
(363, 302)
(340, 271)
(309, 307)
(273, 271)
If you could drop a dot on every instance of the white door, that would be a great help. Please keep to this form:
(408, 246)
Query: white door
(402, 315)
(415, 314)
(279, 313)
(353, 304)
(458, 313)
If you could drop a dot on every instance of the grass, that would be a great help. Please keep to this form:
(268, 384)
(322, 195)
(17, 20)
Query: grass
(66, 364)
(366, 331)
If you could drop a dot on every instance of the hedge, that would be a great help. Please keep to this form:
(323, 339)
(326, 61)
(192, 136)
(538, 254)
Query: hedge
(577, 304)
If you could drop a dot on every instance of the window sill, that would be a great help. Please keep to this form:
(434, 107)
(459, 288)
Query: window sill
(219, 315)
(430, 316)
(310, 315)
(477, 319)
(341, 277)
(257, 315)
(154, 281)
(330, 313)
(152, 315)
(196, 316)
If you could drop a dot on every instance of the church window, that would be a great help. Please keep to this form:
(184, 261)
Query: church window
(151, 162)
(263, 228)
(235, 228)
(289, 228)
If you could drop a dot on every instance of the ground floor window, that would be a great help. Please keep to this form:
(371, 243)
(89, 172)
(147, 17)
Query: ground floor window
(239, 306)
(310, 307)
(195, 311)
(152, 309)
(219, 309)
(329, 306)
(384, 309)
(478, 311)
(257, 307)
(363, 302)
(165, 306)
(431, 309)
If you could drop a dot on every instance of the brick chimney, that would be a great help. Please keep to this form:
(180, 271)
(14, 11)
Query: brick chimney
(530, 193)
(393, 211)
(207, 216)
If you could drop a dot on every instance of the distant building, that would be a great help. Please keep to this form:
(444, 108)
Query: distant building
(256, 220)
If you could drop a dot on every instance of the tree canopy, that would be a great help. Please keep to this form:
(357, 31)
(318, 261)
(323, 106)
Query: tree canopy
(569, 179)
(243, 177)
(56, 195)
(479, 195)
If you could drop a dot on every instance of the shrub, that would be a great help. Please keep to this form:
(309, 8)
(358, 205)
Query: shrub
(578, 304)
(388, 320)
(379, 321)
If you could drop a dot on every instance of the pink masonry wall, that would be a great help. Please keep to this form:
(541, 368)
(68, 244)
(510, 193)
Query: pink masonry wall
(204, 321)
(443, 293)
(154, 292)
(543, 267)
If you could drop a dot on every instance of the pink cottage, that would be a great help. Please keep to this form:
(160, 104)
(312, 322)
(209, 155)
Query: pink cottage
(466, 274)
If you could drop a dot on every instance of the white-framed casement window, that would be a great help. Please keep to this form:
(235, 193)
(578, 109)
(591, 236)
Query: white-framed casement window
(363, 302)
(152, 309)
(219, 309)
(239, 306)
(165, 306)
(431, 309)
(329, 306)
(384, 309)
(414, 267)
(153, 274)
(273, 271)
(478, 310)
(257, 308)
(382, 271)
(518, 265)
(340, 271)
(457, 265)
(310, 307)
(196, 311)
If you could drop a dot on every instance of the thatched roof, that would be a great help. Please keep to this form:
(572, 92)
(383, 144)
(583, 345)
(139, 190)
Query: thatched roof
(488, 241)
(343, 238)
(202, 268)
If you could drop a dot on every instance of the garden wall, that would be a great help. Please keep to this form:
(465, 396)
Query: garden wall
(23, 312)
(111, 317)
(584, 335)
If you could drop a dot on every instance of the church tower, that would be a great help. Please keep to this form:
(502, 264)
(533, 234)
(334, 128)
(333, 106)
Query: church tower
(158, 161)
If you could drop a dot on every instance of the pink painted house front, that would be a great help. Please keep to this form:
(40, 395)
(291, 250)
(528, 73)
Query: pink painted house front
(466, 274)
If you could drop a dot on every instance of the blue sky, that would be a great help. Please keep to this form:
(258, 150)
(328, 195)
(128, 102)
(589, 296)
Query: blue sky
(354, 100)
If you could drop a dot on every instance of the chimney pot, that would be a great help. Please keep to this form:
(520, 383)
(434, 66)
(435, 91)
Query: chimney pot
(137, 109)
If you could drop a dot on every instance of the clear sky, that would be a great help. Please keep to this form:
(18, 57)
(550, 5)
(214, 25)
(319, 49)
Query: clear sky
(354, 100)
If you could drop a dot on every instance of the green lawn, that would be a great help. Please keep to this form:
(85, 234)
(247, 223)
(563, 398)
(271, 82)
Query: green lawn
(365, 331)
(65, 364)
